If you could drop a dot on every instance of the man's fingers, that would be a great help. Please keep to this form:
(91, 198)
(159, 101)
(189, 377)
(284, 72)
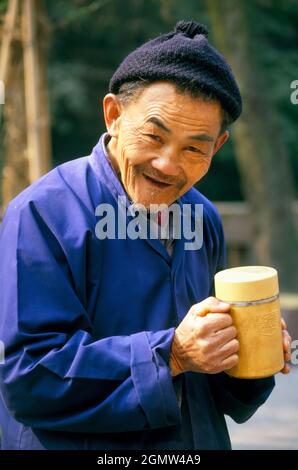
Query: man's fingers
(219, 321)
(287, 340)
(230, 362)
(287, 356)
(229, 348)
(224, 335)
(283, 324)
(210, 305)
(286, 369)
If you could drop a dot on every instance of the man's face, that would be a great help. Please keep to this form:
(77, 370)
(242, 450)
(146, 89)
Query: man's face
(162, 143)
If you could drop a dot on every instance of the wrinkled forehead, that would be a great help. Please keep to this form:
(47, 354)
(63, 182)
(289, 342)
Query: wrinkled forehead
(173, 108)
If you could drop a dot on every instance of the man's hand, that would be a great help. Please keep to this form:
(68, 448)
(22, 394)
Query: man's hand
(205, 340)
(287, 340)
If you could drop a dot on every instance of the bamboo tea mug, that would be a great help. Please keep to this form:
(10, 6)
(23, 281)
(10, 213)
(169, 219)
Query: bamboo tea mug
(253, 294)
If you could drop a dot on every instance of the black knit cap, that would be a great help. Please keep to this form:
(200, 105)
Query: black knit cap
(183, 56)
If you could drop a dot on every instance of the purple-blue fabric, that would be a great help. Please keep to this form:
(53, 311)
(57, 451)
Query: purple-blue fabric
(87, 325)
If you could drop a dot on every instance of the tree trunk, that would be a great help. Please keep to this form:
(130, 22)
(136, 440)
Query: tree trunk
(260, 151)
(15, 171)
(27, 146)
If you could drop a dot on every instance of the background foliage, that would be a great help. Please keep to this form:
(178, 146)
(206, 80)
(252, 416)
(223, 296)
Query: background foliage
(88, 39)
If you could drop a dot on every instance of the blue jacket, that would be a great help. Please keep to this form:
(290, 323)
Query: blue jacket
(87, 325)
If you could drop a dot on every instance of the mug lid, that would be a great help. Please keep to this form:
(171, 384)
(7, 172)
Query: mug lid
(246, 283)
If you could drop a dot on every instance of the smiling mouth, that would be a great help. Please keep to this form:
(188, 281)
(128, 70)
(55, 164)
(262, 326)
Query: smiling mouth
(157, 183)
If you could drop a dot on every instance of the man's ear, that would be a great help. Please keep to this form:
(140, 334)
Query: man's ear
(112, 112)
(220, 141)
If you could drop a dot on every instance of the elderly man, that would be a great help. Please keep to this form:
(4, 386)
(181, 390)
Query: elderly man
(115, 342)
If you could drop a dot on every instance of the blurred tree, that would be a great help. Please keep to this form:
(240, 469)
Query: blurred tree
(11, 72)
(90, 37)
(26, 149)
(260, 151)
(15, 166)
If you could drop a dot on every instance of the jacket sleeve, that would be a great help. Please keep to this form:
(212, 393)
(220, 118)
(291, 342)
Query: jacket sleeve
(237, 398)
(240, 398)
(56, 376)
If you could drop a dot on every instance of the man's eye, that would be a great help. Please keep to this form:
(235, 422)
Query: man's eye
(154, 137)
(193, 149)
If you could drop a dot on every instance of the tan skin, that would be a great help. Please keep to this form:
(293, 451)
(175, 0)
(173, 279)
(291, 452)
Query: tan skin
(162, 136)
(162, 143)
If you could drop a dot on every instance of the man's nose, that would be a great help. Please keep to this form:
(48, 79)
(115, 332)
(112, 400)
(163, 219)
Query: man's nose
(166, 163)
